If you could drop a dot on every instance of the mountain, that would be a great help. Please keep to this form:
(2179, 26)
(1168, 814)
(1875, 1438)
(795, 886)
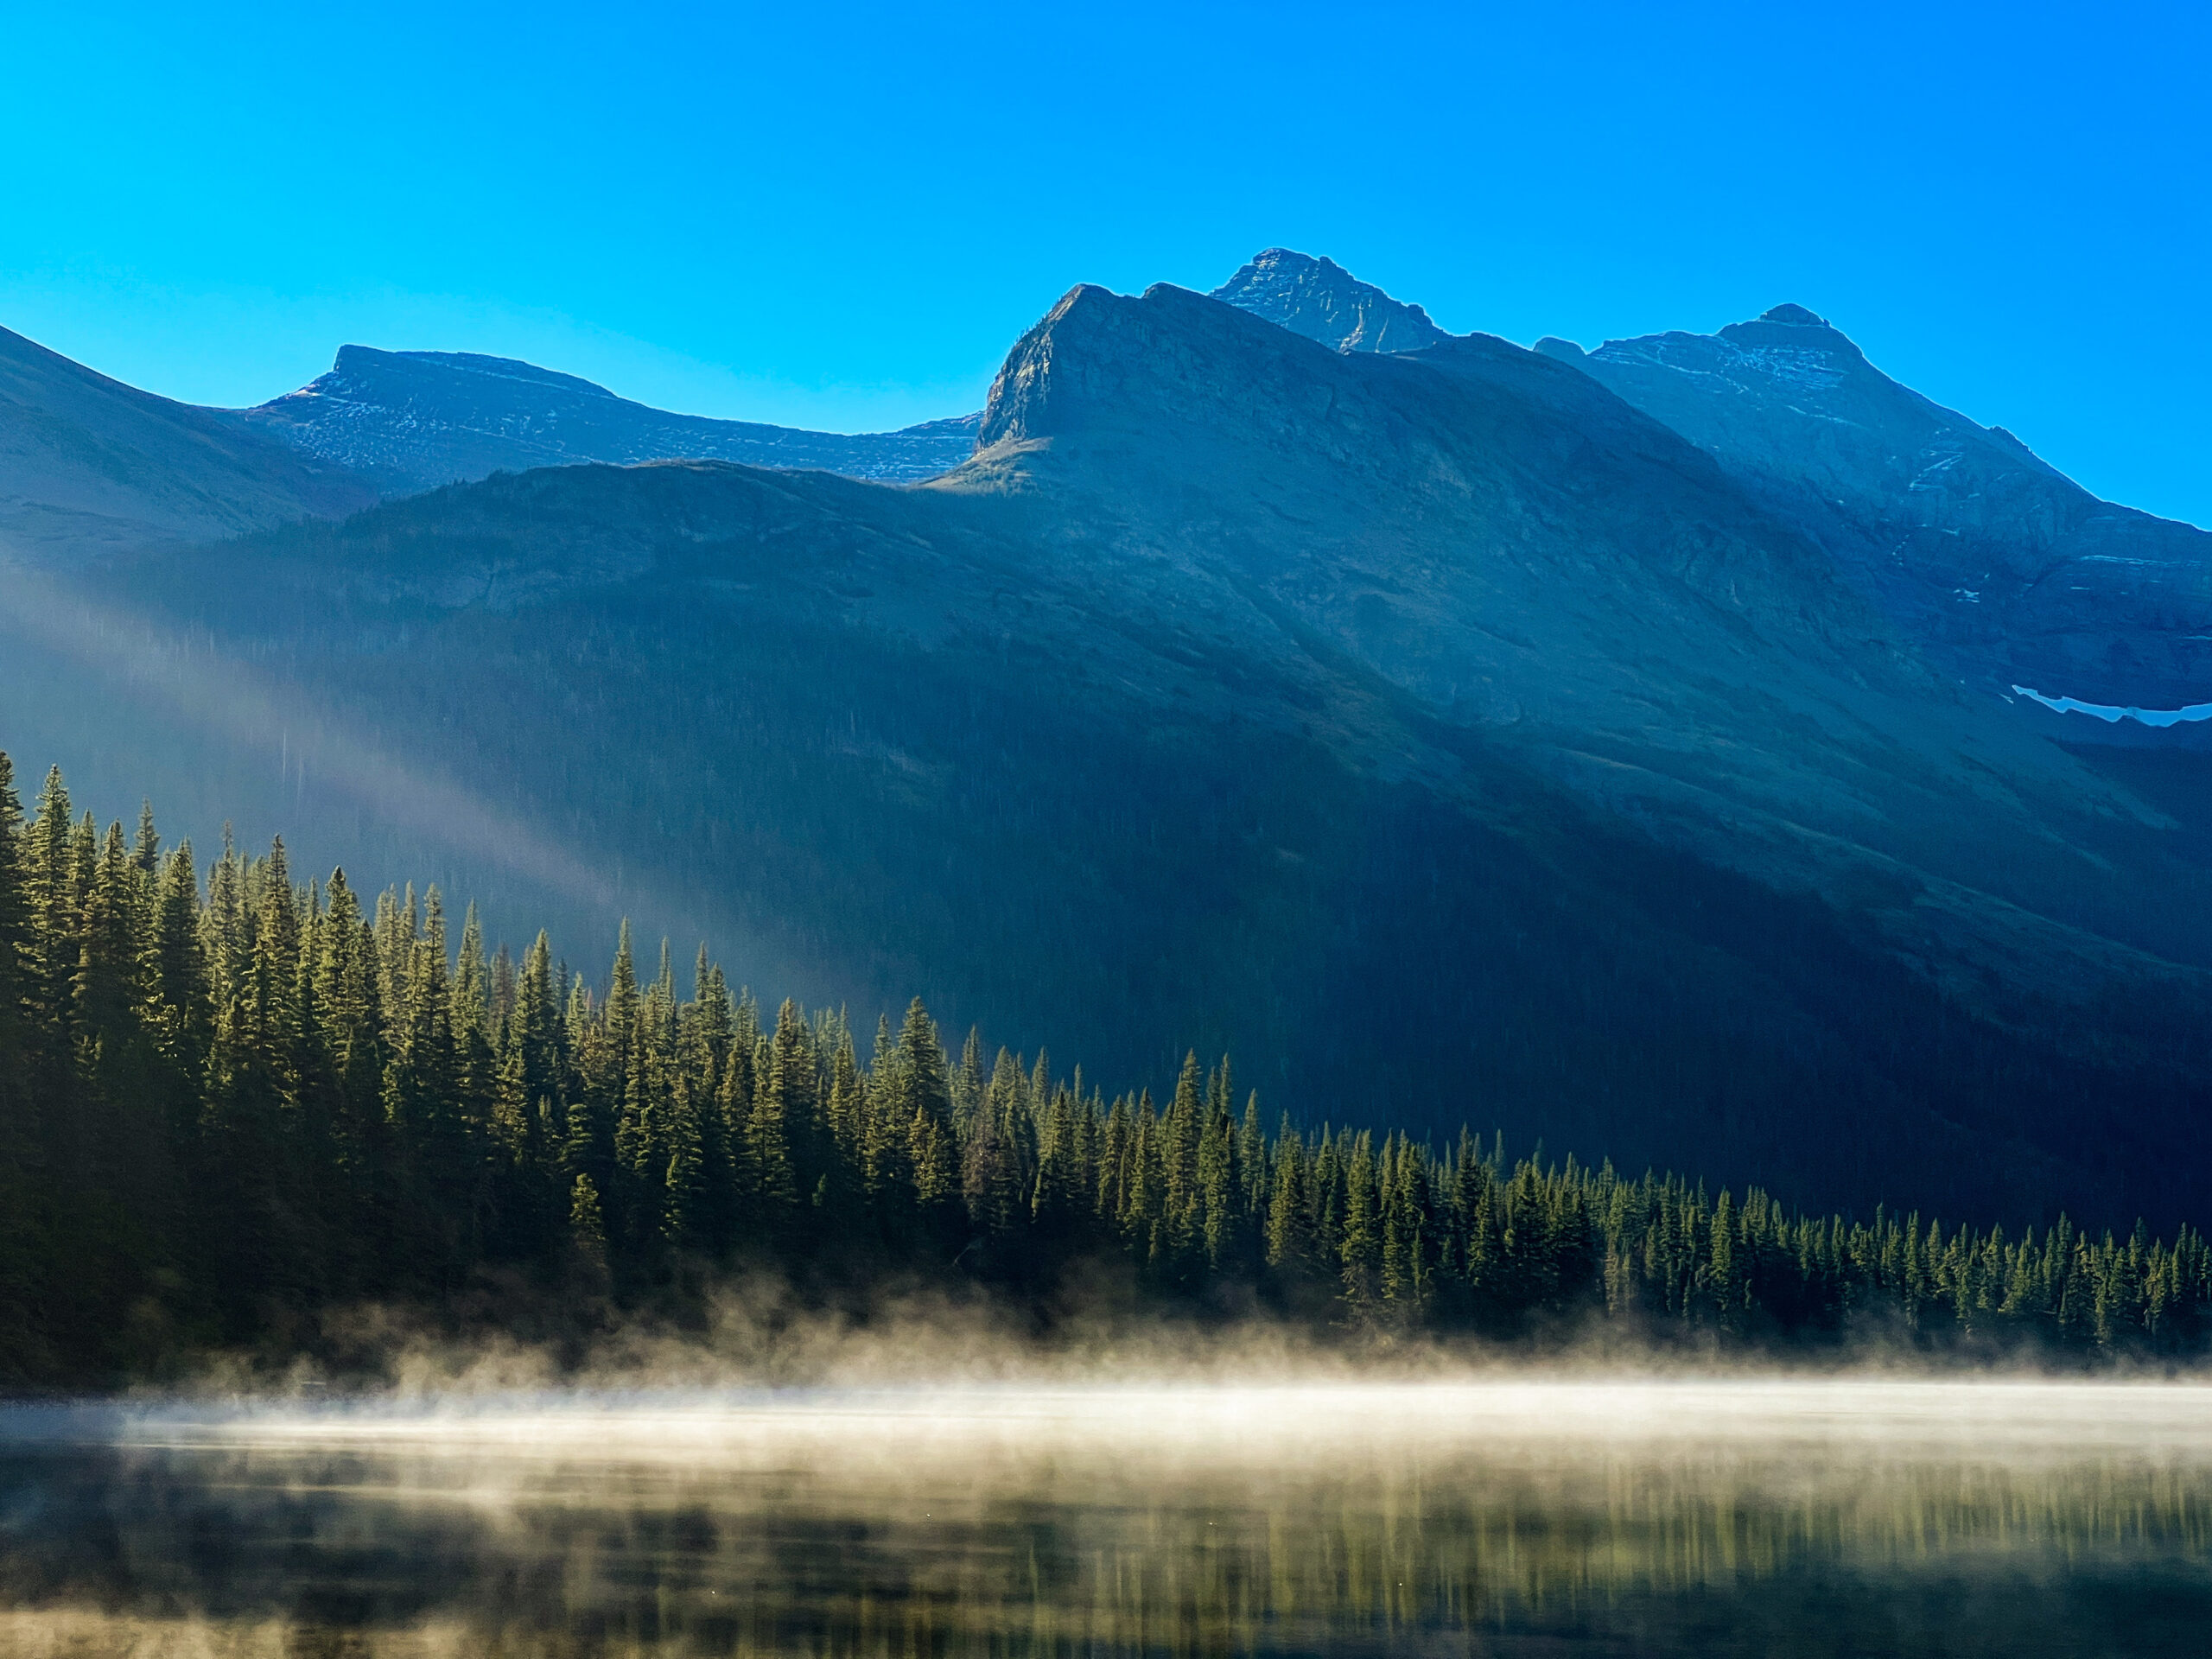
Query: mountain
(411, 421)
(1981, 554)
(1322, 301)
(1530, 559)
(1979, 551)
(88, 465)
(1437, 732)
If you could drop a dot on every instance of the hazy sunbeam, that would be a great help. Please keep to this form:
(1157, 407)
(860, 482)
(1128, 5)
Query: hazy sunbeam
(231, 699)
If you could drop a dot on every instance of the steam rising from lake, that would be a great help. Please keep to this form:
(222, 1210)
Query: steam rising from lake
(1559, 1515)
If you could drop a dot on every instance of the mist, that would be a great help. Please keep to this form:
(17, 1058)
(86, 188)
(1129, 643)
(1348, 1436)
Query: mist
(1275, 1513)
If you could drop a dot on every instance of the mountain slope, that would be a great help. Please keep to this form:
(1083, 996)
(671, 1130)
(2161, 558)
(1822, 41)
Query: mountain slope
(89, 465)
(1436, 726)
(1322, 301)
(415, 420)
(1526, 556)
(1960, 532)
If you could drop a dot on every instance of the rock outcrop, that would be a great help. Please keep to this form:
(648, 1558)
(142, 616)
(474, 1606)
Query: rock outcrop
(1324, 301)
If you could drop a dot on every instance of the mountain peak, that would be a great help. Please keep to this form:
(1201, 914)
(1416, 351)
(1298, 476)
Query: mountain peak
(355, 360)
(1793, 328)
(1099, 353)
(1324, 301)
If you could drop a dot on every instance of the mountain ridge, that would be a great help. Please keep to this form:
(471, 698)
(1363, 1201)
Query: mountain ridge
(361, 359)
(89, 465)
(1984, 550)
(415, 420)
(1991, 558)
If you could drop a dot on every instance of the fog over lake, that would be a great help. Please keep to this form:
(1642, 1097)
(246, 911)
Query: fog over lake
(1550, 1515)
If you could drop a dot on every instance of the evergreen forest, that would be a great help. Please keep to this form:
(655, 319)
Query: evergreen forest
(229, 1104)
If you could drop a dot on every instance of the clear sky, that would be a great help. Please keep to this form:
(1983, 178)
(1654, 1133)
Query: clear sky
(841, 216)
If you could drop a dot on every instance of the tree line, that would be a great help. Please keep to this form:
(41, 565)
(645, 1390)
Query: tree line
(227, 1104)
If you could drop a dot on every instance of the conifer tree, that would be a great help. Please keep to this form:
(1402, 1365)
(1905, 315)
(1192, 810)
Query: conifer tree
(786, 1099)
(146, 850)
(242, 1107)
(22, 1269)
(1182, 1127)
(921, 1103)
(587, 1222)
(1360, 1250)
(1220, 1212)
(684, 1215)
(48, 865)
(1290, 1245)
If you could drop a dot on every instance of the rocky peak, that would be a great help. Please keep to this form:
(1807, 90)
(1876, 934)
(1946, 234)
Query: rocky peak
(1103, 362)
(1324, 301)
(1797, 334)
(362, 366)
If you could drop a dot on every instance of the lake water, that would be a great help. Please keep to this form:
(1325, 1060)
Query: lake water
(1554, 1517)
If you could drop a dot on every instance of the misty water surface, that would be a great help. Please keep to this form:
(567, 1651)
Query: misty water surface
(1558, 1518)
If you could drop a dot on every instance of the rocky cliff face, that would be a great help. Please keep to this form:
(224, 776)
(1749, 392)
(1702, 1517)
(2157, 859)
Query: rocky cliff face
(1322, 301)
(415, 420)
(1975, 546)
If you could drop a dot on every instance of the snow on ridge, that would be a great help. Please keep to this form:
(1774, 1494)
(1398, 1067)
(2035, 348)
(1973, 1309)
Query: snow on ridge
(1810, 368)
(2111, 714)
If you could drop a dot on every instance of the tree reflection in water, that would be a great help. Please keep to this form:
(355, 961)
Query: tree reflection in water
(1560, 1518)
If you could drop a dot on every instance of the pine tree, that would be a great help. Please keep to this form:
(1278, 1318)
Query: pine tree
(1360, 1249)
(1181, 1129)
(787, 1098)
(587, 1222)
(685, 1217)
(1724, 1279)
(261, 1099)
(146, 850)
(923, 1103)
(49, 888)
(967, 1082)
(1290, 1243)
(1220, 1212)
(109, 991)
(23, 1264)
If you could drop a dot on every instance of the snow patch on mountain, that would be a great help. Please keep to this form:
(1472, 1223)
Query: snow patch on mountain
(1810, 368)
(2111, 713)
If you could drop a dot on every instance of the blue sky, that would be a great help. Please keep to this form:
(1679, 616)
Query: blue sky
(843, 216)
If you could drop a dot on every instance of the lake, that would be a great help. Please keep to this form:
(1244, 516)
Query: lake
(1556, 1516)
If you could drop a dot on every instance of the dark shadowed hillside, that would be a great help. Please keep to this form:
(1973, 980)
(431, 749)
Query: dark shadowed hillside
(88, 466)
(1437, 732)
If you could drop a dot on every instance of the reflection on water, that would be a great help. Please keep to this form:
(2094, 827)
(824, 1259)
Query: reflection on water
(1529, 1519)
